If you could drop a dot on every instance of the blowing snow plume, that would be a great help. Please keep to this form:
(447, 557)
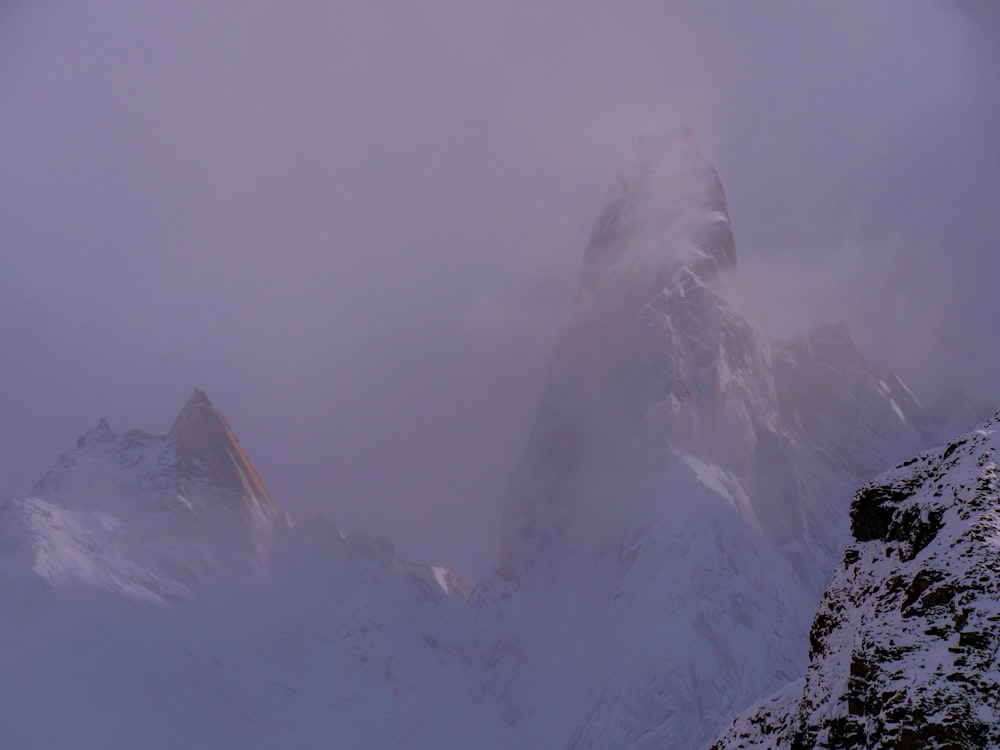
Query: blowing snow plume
(673, 210)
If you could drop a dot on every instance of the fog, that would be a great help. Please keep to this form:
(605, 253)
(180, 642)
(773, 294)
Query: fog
(357, 225)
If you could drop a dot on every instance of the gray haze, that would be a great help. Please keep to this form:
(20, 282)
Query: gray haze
(356, 225)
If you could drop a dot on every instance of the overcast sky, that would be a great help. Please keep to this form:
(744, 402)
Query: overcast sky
(356, 224)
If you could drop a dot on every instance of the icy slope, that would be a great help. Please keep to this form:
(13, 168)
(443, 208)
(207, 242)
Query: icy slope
(905, 648)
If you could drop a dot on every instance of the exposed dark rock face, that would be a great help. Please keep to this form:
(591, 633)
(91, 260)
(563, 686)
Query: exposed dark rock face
(905, 649)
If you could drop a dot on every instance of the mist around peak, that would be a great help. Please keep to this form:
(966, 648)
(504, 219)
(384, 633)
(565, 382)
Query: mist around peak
(364, 231)
(622, 431)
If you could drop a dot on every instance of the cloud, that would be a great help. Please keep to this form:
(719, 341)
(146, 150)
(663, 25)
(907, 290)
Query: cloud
(354, 224)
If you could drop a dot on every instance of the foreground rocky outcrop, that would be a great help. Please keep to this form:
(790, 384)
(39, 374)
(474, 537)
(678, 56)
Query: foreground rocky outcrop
(905, 649)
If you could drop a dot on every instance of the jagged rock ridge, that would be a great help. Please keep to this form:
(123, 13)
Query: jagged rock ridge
(905, 648)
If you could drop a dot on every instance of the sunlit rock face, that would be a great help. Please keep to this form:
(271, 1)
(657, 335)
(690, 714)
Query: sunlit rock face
(209, 453)
(905, 647)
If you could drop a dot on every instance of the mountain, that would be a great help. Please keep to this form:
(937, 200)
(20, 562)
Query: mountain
(153, 594)
(154, 518)
(904, 650)
(656, 353)
(682, 501)
(682, 498)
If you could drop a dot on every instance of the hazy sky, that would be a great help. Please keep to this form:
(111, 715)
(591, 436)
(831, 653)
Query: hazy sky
(357, 224)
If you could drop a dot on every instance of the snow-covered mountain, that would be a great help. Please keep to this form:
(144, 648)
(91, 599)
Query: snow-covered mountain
(154, 518)
(681, 503)
(905, 647)
(684, 493)
(153, 594)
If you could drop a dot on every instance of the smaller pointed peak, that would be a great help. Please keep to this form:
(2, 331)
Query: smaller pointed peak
(197, 403)
(199, 397)
(201, 435)
(196, 410)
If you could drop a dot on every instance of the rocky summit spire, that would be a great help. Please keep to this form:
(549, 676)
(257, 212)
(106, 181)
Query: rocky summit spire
(652, 347)
(671, 211)
(204, 442)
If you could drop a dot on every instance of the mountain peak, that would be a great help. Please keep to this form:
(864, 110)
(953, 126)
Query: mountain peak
(671, 211)
(202, 437)
(160, 516)
(654, 355)
(199, 397)
(197, 411)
